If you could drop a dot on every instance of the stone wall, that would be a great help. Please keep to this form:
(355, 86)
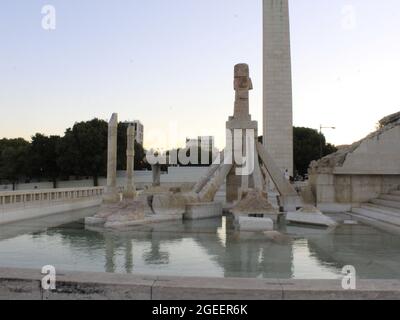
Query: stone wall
(359, 172)
(175, 175)
(340, 192)
(23, 284)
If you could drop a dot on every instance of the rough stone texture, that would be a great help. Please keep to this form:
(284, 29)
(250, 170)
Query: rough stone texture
(290, 200)
(130, 211)
(255, 202)
(15, 289)
(376, 154)
(393, 118)
(175, 288)
(111, 195)
(156, 175)
(119, 214)
(169, 203)
(248, 224)
(25, 284)
(130, 190)
(241, 141)
(278, 110)
(362, 171)
(332, 290)
(100, 286)
(197, 211)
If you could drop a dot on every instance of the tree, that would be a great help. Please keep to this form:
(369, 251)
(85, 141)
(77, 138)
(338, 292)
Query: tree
(307, 148)
(83, 150)
(43, 155)
(14, 161)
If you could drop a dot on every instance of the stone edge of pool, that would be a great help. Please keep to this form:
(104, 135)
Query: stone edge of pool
(25, 284)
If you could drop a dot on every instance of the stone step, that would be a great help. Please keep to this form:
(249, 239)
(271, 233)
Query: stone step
(390, 197)
(386, 203)
(377, 224)
(383, 209)
(395, 192)
(374, 214)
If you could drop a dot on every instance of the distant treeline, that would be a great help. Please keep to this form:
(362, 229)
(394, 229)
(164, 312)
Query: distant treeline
(82, 152)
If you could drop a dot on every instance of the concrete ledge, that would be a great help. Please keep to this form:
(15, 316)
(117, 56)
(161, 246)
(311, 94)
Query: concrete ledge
(46, 209)
(26, 284)
(335, 207)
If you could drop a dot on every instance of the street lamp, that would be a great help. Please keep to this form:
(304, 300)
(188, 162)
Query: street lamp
(320, 139)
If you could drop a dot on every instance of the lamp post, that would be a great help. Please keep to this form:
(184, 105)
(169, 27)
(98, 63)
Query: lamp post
(320, 139)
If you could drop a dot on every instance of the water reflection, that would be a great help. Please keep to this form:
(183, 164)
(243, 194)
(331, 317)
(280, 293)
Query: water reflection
(203, 248)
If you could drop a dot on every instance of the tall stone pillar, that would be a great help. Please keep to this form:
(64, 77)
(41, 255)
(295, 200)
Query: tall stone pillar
(111, 195)
(130, 164)
(277, 87)
(238, 126)
(156, 172)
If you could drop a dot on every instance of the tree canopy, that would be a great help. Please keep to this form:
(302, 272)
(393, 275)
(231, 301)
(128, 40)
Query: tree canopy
(81, 152)
(307, 148)
(307, 144)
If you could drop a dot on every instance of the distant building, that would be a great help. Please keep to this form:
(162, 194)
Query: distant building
(139, 130)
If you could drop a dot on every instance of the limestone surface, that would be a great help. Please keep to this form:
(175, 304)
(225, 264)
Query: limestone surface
(254, 202)
(250, 224)
(277, 84)
(311, 216)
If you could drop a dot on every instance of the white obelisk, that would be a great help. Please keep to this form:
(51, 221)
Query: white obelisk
(277, 87)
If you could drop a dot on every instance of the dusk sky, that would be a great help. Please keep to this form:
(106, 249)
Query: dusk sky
(169, 64)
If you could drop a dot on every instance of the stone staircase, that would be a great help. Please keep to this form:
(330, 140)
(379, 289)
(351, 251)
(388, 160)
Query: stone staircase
(382, 212)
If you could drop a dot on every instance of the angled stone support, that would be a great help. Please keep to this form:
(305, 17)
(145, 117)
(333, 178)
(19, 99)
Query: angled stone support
(291, 200)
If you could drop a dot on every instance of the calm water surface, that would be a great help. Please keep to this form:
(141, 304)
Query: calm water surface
(199, 248)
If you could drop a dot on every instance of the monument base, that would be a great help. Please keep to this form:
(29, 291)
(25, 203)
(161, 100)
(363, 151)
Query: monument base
(250, 224)
(197, 211)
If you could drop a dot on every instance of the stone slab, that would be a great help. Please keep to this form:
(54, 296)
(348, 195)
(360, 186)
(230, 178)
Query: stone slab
(332, 290)
(310, 218)
(249, 224)
(199, 211)
(191, 288)
(150, 219)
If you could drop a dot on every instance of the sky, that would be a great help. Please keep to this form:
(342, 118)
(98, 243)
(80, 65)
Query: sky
(169, 64)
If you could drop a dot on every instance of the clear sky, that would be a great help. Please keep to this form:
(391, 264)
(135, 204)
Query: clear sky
(169, 63)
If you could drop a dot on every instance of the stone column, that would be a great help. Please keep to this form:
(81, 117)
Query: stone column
(156, 170)
(238, 125)
(111, 195)
(130, 164)
(277, 87)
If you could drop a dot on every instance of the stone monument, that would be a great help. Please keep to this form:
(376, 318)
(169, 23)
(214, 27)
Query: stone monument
(115, 212)
(111, 195)
(241, 139)
(130, 191)
(277, 87)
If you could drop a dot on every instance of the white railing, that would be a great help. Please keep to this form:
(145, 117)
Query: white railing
(29, 198)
